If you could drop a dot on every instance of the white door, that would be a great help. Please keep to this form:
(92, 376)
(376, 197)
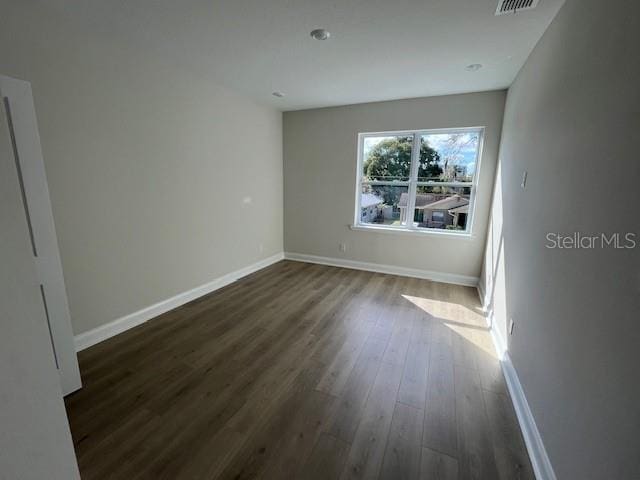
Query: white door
(35, 441)
(18, 109)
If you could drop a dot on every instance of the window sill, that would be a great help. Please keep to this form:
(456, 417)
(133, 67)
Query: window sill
(417, 233)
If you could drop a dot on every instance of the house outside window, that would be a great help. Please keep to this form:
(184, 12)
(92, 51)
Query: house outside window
(421, 181)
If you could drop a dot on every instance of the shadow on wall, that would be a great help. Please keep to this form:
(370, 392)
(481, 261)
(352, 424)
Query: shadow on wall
(494, 272)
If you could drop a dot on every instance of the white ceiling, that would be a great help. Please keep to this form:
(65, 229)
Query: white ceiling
(378, 50)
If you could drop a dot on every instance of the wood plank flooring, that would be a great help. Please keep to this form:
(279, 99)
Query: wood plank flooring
(302, 371)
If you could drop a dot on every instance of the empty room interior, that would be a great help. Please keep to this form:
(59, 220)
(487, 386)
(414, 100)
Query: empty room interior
(320, 239)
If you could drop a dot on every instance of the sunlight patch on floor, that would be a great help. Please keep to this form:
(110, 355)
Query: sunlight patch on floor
(461, 320)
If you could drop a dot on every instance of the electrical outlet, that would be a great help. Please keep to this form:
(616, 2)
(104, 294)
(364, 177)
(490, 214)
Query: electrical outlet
(342, 247)
(261, 248)
(511, 325)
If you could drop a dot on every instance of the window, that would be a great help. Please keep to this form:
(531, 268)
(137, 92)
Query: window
(421, 180)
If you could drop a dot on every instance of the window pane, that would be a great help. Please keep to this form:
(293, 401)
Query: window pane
(440, 192)
(442, 207)
(448, 157)
(382, 204)
(387, 158)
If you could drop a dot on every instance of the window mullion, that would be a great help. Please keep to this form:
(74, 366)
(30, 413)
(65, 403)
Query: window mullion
(357, 219)
(446, 184)
(415, 162)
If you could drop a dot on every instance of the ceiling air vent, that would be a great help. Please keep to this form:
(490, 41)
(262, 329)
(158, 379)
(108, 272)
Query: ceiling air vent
(513, 6)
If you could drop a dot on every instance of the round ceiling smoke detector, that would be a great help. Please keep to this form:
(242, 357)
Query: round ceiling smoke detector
(320, 34)
(474, 67)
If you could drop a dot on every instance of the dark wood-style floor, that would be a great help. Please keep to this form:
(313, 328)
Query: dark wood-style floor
(302, 371)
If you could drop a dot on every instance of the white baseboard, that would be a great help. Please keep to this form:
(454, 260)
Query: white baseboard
(390, 269)
(537, 453)
(91, 337)
(540, 462)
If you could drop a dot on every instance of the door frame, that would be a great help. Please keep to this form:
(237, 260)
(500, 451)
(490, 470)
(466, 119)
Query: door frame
(17, 101)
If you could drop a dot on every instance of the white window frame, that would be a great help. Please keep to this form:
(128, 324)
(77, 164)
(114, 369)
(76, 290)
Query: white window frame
(412, 184)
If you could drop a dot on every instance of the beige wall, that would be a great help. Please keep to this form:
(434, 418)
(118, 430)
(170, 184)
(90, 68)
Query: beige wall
(572, 120)
(148, 165)
(320, 179)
